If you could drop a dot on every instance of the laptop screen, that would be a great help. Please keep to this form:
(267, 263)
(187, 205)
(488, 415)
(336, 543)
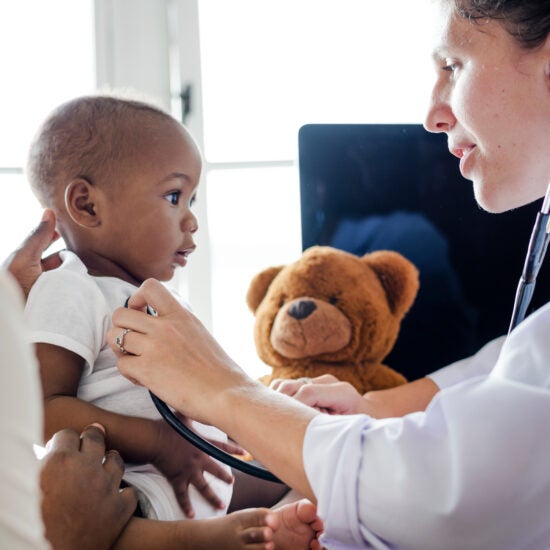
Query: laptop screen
(366, 187)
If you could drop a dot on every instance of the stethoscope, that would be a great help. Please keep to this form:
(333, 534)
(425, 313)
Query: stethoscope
(201, 443)
(538, 243)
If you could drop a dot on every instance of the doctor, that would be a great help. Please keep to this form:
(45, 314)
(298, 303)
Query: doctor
(470, 468)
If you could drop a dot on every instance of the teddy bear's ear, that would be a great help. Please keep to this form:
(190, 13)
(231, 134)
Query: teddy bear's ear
(398, 276)
(259, 285)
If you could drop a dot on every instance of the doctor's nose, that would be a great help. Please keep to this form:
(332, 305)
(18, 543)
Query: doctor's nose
(440, 117)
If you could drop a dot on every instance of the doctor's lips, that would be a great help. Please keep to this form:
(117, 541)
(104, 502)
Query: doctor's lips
(461, 150)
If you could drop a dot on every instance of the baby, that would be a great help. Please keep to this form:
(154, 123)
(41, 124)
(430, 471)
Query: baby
(121, 177)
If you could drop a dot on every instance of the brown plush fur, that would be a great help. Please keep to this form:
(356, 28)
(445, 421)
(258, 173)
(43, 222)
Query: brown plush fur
(333, 312)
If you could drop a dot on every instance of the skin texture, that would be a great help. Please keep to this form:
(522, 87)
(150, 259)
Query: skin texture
(491, 98)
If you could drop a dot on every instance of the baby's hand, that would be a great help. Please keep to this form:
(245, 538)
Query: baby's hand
(183, 464)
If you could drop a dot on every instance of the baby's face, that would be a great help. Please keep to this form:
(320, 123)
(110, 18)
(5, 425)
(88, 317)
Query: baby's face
(147, 224)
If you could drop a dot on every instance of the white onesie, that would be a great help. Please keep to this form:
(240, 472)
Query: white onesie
(71, 309)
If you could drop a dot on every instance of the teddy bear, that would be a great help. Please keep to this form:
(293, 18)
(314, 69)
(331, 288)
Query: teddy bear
(332, 312)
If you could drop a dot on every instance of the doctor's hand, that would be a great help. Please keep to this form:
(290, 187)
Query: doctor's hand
(325, 393)
(26, 263)
(174, 355)
(82, 504)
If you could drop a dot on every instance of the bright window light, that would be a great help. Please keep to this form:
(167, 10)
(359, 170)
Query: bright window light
(48, 58)
(268, 68)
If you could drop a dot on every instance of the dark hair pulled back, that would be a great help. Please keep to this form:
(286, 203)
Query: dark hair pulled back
(528, 21)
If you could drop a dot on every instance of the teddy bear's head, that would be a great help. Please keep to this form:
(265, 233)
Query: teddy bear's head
(331, 306)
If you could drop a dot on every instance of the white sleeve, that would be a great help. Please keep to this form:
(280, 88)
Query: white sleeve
(20, 427)
(66, 309)
(479, 364)
(469, 472)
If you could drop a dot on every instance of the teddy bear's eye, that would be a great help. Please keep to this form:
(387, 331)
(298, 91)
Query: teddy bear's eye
(333, 300)
(281, 303)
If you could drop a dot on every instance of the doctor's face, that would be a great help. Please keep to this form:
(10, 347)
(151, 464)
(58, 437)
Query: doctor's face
(492, 99)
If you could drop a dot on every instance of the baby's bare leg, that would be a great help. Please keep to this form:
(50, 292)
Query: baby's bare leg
(246, 529)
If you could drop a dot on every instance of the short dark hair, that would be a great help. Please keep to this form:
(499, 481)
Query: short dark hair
(528, 21)
(87, 137)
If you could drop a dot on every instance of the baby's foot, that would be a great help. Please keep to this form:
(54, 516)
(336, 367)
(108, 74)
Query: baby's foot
(298, 527)
(251, 529)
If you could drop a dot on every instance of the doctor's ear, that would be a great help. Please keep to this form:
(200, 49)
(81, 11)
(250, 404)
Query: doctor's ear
(80, 202)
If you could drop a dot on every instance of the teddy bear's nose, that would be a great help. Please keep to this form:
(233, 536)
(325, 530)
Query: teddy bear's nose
(301, 309)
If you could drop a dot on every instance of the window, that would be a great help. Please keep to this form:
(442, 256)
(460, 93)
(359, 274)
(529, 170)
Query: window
(45, 61)
(267, 69)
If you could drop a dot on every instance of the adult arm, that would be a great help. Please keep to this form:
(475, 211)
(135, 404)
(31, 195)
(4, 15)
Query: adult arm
(26, 263)
(176, 357)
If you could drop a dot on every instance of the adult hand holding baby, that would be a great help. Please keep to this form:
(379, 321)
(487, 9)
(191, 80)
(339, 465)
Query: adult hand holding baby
(26, 263)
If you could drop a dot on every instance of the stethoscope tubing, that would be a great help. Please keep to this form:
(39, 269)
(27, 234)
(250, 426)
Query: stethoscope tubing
(538, 244)
(207, 447)
(201, 443)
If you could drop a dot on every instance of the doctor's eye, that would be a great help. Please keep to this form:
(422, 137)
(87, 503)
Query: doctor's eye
(449, 66)
(173, 197)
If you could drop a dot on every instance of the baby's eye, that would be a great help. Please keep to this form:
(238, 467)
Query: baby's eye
(192, 200)
(173, 197)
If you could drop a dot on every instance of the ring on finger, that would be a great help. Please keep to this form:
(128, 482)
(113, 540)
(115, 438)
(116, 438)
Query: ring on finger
(119, 340)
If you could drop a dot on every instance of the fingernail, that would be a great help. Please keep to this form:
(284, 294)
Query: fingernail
(99, 426)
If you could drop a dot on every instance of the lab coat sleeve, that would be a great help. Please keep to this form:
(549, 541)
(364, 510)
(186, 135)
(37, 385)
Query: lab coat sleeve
(479, 364)
(469, 472)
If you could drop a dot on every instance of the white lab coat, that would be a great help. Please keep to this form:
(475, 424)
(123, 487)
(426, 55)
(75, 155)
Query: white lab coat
(471, 472)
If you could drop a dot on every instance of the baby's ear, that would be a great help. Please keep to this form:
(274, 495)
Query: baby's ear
(80, 203)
